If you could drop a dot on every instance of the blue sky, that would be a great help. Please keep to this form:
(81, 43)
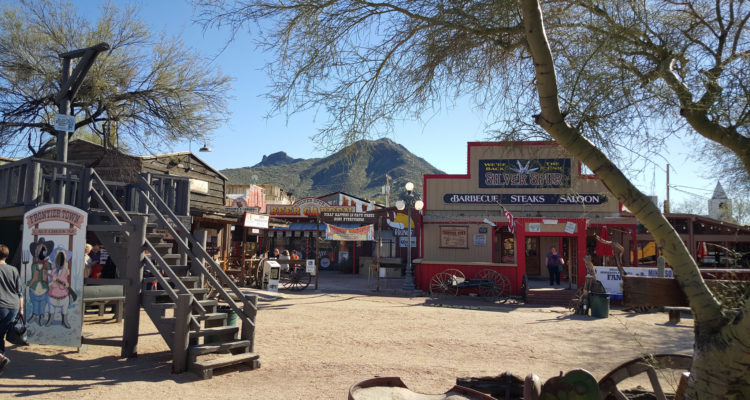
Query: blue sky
(440, 139)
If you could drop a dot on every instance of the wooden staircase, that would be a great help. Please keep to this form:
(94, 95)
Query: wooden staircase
(170, 280)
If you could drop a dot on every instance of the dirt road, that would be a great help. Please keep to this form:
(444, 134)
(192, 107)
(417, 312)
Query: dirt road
(315, 346)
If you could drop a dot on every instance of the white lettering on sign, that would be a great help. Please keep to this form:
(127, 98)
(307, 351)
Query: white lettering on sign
(524, 198)
(580, 199)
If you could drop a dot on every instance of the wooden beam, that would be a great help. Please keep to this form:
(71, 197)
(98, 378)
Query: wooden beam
(134, 273)
(181, 339)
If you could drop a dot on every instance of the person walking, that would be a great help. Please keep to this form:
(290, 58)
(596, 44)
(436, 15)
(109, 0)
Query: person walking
(554, 266)
(10, 300)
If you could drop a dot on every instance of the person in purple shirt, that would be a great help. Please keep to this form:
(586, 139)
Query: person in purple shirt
(555, 262)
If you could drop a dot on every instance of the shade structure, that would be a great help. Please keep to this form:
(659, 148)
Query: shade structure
(604, 250)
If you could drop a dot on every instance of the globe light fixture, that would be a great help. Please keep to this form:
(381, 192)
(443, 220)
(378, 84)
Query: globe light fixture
(409, 200)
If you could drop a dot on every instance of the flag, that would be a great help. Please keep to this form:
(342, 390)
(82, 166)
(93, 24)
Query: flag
(511, 220)
(604, 250)
(702, 251)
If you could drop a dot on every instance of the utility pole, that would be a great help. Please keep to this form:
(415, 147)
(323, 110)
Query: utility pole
(387, 189)
(70, 82)
(666, 202)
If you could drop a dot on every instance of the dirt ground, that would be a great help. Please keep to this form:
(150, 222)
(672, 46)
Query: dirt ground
(316, 345)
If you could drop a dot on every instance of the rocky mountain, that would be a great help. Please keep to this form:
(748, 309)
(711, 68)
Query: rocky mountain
(359, 170)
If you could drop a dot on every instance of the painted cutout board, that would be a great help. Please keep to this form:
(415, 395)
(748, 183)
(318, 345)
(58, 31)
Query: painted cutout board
(54, 239)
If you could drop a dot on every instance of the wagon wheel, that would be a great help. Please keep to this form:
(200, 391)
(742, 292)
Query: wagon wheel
(495, 285)
(296, 278)
(648, 364)
(443, 282)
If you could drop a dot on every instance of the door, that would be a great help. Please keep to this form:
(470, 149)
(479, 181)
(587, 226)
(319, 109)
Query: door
(570, 253)
(533, 257)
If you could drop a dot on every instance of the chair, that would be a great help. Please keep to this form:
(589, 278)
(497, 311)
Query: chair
(372, 270)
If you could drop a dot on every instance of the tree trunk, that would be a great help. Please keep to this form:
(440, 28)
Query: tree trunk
(722, 338)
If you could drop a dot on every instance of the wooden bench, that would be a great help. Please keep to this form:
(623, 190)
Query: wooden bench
(103, 295)
(674, 313)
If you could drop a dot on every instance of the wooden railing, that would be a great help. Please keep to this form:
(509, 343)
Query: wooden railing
(200, 260)
(34, 181)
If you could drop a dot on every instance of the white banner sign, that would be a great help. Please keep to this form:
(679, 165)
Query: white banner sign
(310, 267)
(480, 240)
(404, 241)
(610, 277)
(256, 221)
(198, 186)
(65, 123)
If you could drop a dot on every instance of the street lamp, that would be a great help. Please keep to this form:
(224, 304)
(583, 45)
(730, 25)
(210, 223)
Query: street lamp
(409, 200)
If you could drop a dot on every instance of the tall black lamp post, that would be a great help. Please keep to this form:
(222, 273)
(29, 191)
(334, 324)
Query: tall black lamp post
(409, 200)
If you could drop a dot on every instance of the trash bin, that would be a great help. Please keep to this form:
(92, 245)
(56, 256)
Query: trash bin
(599, 304)
(231, 315)
(231, 321)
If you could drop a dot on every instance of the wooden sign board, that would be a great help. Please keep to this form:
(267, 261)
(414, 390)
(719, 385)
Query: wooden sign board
(654, 292)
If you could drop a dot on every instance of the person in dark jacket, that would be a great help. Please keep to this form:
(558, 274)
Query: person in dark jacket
(554, 265)
(10, 300)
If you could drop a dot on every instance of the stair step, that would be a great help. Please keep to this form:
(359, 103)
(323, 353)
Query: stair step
(159, 292)
(218, 330)
(162, 246)
(198, 350)
(211, 316)
(191, 278)
(205, 368)
(107, 227)
(164, 306)
(208, 317)
(154, 237)
(550, 297)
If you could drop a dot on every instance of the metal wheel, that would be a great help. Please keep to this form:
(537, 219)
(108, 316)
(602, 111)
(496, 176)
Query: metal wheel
(295, 279)
(648, 364)
(495, 285)
(446, 282)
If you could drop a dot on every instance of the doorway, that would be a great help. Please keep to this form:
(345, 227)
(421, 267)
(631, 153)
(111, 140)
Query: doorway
(533, 258)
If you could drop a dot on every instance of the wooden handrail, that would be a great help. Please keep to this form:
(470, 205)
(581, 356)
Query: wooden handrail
(201, 257)
(96, 180)
(177, 281)
(170, 292)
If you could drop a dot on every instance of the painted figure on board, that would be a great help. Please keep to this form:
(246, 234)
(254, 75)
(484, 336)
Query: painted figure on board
(60, 293)
(38, 283)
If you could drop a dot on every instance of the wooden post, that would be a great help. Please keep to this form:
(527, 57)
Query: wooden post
(195, 270)
(660, 267)
(134, 274)
(248, 330)
(380, 245)
(317, 253)
(85, 189)
(33, 176)
(181, 340)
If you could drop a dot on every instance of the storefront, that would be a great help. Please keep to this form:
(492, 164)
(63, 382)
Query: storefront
(516, 202)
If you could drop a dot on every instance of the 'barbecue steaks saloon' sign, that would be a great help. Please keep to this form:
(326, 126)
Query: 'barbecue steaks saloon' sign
(54, 237)
(533, 173)
(525, 198)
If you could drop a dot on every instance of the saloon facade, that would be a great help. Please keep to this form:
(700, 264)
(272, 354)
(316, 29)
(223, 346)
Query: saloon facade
(549, 201)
